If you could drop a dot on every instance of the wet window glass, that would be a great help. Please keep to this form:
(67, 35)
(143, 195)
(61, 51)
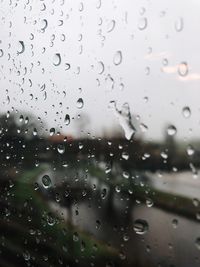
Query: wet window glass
(99, 133)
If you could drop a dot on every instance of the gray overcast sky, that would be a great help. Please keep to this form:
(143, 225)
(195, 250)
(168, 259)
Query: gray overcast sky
(154, 38)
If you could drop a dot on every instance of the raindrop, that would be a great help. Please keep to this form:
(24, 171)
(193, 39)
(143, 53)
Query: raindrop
(50, 219)
(61, 149)
(100, 67)
(52, 131)
(26, 256)
(1, 52)
(171, 130)
(46, 181)
(35, 132)
(183, 69)
(126, 237)
(140, 226)
(67, 119)
(111, 26)
(149, 202)
(117, 58)
(190, 150)
(175, 223)
(124, 118)
(80, 103)
(57, 59)
(125, 155)
(197, 243)
(142, 24)
(179, 24)
(186, 112)
(21, 48)
(44, 24)
(67, 66)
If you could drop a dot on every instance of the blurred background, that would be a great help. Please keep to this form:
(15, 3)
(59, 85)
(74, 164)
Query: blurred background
(99, 133)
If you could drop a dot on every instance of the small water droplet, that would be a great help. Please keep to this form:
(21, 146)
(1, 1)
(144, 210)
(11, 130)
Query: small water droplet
(174, 223)
(52, 131)
(171, 130)
(46, 181)
(100, 67)
(190, 150)
(44, 24)
(140, 226)
(61, 149)
(111, 26)
(142, 24)
(117, 58)
(183, 69)
(179, 24)
(186, 112)
(57, 59)
(80, 103)
(21, 47)
(67, 119)
(125, 155)
(1, 53)
(197, 243)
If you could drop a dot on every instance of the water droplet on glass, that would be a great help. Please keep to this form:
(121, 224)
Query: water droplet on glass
(52, 131)
(117, 58)
(174, 223)
(179, 24)
(197, 243)
(149, 202)
(80, 103)
(57, 59)
(190, 150)
(35, 132)
(44, 24)
(142, 24)
(125, 155)
(183, 69)
(111, 26)
(67, 119)
(124, 118)
(100, 67)
(46, 181)
(61, 149)
(21, 47)
(1, 52)
(186, 112)
(140, 226)
(171, 130)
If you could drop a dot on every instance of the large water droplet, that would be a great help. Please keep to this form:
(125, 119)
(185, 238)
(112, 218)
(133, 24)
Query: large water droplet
(183, 69)
(186, 112)
(140, 226)
(57, 59)
(46, 181)
(117, 58)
